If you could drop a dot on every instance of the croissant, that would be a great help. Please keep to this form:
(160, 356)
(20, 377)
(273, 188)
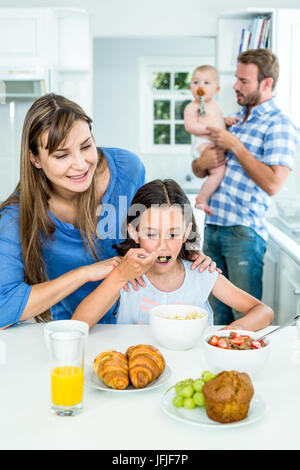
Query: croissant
(146, 363)
(112, 367)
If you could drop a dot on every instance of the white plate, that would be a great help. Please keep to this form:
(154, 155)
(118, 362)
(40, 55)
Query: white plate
(93, 381)
(199, 417)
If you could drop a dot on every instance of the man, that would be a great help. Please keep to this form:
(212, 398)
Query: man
(258, 152)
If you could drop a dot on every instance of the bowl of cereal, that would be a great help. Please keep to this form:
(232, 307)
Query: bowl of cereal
(237, 350)
(178, 326)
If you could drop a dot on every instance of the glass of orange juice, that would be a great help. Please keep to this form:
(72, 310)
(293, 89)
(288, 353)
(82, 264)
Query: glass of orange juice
(66, 358)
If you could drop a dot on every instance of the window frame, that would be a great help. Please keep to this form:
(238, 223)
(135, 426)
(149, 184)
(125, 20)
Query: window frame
(148, 66)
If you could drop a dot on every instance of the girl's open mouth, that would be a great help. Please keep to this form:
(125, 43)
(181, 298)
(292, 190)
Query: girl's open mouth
(163, 259)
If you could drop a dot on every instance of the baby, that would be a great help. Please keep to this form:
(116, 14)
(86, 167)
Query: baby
(200, 113)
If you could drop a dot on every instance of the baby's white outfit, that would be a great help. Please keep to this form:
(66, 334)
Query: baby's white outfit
(196, 141)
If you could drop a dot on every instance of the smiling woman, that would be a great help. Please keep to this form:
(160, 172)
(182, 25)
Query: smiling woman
(50, 252)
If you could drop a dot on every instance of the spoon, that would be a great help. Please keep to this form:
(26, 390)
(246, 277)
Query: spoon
(292, 320)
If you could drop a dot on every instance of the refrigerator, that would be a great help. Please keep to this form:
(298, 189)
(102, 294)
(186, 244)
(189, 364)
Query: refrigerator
(19, 88)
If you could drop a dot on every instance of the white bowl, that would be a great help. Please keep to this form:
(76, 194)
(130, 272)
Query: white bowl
(177, 334)
(250, 361)
(66, 326)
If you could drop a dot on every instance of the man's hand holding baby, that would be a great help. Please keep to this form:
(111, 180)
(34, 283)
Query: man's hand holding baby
(224, 139)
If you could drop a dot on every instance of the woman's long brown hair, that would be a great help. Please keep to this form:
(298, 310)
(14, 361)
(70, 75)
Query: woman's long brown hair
(55, 114)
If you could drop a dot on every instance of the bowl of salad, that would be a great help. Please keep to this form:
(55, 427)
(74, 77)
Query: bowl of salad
(238, 350)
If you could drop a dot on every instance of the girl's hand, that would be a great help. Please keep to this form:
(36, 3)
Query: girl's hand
(100, 270)
(134, 264)
(203, 262)
(135, 284)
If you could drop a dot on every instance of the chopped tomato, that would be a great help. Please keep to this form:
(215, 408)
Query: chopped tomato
(214, 340)
(245, 336)
(256, 344)
(222, 343)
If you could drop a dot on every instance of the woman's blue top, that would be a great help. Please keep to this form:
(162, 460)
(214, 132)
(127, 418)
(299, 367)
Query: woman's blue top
(66, 251)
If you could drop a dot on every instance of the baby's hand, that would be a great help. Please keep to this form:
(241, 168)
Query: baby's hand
(231, 121)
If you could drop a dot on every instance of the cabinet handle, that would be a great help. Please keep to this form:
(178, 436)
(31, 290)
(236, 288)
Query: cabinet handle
(297, 292)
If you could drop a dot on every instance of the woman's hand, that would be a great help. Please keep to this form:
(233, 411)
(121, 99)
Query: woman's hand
(202, 262)
(99, 271)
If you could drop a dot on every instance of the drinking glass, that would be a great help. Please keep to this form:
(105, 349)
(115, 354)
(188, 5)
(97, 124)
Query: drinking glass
(66, 358)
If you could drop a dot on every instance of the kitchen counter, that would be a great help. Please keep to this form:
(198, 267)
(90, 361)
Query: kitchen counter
(287, 239)
(136, 420)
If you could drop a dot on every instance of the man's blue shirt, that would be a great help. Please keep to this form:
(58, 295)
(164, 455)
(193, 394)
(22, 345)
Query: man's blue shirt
(271, 138)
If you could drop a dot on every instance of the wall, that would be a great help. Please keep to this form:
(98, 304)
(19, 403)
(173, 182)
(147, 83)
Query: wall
(155, 18)
(116, 81)
(116, 96)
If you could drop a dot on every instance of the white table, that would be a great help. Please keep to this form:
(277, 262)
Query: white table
(135, 420)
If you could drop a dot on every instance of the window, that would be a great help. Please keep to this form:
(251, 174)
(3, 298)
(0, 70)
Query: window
(164, 93)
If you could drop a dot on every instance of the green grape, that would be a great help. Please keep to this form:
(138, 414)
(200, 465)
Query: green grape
(207, 375)
(178, 401)
(198, 384)
(189, 403)
(199, 399)
(178, 387)
(188, 391)
(188, 381)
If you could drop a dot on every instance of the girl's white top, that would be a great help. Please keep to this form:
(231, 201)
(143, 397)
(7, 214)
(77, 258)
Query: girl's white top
(135, 305)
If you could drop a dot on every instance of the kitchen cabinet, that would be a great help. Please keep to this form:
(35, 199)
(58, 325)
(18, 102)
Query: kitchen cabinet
(281, 278)
(288, 288)
(72, 69)
(271, 276)
(284, 30)
(57, 39)
(24, 36)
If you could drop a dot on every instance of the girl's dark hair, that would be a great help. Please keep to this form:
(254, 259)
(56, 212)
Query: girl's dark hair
(161, 193)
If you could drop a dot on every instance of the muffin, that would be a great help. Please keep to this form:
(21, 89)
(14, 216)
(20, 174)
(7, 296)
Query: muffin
(228, 396)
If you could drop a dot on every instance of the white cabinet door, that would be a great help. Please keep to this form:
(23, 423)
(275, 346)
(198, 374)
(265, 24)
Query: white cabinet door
(24, 36)
(289, 289)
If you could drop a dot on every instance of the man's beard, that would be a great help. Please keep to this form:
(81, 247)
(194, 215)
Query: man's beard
(252, 99)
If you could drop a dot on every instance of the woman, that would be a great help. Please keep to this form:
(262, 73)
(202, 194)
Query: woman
(54, 246)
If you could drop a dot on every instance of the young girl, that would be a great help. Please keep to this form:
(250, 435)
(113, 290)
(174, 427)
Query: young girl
(159, 241)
